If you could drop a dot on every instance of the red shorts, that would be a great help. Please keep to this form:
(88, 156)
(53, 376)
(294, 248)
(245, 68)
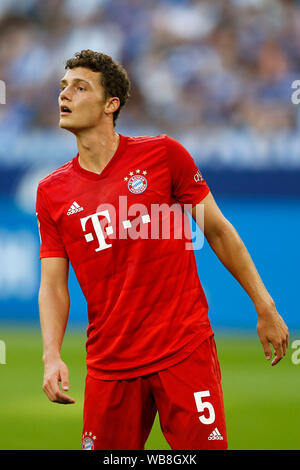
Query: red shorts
(119, 414)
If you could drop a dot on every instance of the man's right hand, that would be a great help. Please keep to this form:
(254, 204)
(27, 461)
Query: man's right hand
(56, 371)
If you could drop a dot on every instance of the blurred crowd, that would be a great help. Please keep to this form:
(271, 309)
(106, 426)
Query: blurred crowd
(198, 68)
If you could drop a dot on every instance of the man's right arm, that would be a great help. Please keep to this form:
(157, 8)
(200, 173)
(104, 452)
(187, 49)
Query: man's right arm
(54, 304)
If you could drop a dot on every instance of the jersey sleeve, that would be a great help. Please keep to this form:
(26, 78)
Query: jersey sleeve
(51, 242)
(188, 184)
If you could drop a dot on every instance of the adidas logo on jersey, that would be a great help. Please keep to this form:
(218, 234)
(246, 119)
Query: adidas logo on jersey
(74, 208)
(215, 435)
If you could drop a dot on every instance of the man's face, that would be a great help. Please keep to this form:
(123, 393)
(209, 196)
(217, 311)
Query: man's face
(81, 100)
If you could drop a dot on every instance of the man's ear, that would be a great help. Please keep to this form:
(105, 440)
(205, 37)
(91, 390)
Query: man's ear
(112, 104)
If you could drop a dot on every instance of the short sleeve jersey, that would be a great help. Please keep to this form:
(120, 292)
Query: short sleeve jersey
(127, 235)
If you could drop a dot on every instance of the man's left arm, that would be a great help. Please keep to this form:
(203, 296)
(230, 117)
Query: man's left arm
(231, 251)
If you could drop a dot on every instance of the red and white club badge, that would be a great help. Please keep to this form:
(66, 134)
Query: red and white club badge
(137, 183)
(88, 441)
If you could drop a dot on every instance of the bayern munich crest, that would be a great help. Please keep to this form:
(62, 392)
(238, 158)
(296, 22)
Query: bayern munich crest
(137, 183)
(88, 441)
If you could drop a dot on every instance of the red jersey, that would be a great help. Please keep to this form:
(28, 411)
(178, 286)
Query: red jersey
(146, 307)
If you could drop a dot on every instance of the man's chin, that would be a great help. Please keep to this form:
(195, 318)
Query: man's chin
(64, 124)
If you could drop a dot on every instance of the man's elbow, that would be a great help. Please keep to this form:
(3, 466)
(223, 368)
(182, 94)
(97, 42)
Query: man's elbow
(49, 292)
(219, 231)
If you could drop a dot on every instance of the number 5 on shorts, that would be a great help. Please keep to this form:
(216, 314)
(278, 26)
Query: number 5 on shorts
(202, 405)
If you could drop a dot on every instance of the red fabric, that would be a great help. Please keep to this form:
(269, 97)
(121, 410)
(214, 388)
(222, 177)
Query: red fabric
(146, 306)
(118, 415)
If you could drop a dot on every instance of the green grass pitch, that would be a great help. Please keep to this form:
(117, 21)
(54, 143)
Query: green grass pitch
(262, 403)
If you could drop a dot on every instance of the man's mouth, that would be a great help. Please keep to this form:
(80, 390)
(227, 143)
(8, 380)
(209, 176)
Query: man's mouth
(65, 110)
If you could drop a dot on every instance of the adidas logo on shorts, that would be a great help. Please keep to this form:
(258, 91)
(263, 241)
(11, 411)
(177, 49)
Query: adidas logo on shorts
(74, 208)
(215, 435)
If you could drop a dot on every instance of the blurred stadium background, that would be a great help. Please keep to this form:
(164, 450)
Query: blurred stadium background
(217, 76)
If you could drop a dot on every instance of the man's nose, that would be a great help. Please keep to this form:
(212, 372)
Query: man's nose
(65, 94)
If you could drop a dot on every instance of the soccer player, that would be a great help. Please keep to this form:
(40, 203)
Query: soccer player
(150, 346)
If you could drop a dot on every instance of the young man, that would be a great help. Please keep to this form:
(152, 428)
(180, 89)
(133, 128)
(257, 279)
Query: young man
(150, 345)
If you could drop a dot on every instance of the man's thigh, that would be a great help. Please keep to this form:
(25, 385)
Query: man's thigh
(189, 400)
(118, 414)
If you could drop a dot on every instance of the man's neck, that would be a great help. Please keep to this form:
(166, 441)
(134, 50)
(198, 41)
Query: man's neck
(96, 148)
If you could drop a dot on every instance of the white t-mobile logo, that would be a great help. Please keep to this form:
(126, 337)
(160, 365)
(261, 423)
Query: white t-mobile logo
(98, 230)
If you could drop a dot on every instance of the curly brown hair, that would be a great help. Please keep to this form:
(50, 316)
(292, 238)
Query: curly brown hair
(114, 78)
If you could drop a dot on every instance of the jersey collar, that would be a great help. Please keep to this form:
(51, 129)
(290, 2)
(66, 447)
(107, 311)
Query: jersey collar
(95, 176)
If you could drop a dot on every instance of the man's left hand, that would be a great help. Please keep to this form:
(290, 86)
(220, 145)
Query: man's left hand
(272, 330)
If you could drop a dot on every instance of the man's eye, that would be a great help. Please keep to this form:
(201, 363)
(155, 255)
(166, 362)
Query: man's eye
(81, 88)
